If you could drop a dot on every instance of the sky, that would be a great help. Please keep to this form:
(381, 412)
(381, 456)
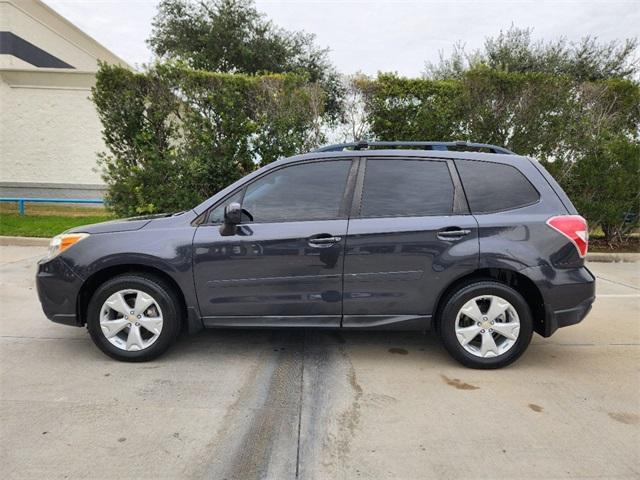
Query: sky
(376, 35)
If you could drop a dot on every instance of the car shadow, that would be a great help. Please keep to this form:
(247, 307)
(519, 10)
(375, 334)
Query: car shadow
(364, 342)
(377, 346)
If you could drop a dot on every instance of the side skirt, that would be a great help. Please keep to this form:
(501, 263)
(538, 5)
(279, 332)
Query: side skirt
(387, 322)
(370, 322)
(273, 321)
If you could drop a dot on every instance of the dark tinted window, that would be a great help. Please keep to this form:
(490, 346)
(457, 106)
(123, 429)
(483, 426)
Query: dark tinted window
(310, 191)
(491, 187)
(406, 188)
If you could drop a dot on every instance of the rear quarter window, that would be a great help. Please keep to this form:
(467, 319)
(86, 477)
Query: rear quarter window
(494, 187)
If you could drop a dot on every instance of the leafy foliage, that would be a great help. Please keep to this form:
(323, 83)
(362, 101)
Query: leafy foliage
(207, 113)
(414, 109)
(176, 135)
(606, 184)
(586, 133)
(354, 124)
(574, 106)
(514, 50)
(231, 36)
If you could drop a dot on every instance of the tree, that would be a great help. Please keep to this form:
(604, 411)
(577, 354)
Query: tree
(608, 181)
(573, 105)
(354, 125)
(585, 133)
(515, 50)
(142, 168)
(231, 36)
(175, 136)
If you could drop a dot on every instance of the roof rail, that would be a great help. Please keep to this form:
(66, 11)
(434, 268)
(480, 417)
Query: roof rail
(364, 145)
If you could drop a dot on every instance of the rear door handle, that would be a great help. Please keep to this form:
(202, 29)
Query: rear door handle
(453, 233)
(323, 240)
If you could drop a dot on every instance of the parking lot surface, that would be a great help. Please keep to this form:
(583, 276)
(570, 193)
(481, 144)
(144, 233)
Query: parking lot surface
(318, 404)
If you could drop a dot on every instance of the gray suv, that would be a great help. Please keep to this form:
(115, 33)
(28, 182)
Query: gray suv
(478, 243)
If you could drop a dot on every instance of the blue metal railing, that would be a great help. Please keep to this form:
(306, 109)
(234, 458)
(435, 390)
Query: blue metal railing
(22, 200)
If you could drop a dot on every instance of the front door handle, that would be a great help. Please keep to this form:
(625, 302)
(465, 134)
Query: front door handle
(453, 233)
(323, 240)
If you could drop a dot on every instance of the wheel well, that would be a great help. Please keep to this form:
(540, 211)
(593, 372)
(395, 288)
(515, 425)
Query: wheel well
(515, 280)
(98, 278)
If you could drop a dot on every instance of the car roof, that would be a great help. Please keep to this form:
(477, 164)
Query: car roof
(404, 153)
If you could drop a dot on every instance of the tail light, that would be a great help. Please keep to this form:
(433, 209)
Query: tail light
(574, 227)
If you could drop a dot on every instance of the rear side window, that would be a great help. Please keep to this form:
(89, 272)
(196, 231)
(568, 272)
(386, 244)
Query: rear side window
(394, 188)
(493, 187)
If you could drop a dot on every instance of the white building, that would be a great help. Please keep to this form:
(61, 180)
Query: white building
(50, 133)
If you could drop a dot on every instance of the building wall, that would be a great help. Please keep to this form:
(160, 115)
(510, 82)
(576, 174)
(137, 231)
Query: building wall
(50, 133)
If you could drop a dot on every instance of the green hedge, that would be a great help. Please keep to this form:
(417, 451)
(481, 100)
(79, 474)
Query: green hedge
(175, 135)
(586, 133)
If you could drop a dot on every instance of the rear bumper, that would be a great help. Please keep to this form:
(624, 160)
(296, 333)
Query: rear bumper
(571, 316)
(58, 287)
(568, 295)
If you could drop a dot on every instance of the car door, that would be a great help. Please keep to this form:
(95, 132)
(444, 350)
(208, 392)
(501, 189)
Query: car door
(410, 235)
(285, 266)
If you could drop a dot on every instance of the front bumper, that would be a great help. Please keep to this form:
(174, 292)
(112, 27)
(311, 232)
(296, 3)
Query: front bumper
(568, 295)
(58, 287)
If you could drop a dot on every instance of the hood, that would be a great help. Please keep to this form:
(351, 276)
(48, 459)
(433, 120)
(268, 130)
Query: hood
(120, 225)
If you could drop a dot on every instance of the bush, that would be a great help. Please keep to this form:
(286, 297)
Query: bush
(175, 135)
(585, 133)
(606, 185)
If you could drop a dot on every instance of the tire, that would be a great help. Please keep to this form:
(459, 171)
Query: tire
(135, 338)
(457, 324)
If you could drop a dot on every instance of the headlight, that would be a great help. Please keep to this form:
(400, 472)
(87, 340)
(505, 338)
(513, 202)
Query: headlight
(61, 242)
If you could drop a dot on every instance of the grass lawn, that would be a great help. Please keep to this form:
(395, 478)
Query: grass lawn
(47, 220)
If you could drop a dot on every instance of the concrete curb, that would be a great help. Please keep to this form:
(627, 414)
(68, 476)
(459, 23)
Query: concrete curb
(24, 241)
(613, 257)
(591, 257)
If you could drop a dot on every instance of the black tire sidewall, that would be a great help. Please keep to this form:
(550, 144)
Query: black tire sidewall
(152, 286)
(448, 315)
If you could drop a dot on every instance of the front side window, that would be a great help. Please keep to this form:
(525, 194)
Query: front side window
(493, 187)
(395, 188)
(309, 191)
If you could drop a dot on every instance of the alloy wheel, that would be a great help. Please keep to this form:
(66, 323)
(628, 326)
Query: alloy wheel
(487, 326)
(131, 320)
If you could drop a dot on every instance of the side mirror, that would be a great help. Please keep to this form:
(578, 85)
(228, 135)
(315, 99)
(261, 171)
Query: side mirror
(233, 214)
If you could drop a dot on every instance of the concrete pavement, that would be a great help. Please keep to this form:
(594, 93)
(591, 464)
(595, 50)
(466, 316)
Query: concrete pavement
(318, 404)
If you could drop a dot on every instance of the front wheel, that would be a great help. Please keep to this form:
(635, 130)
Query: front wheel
(133, 317)
(485, 325)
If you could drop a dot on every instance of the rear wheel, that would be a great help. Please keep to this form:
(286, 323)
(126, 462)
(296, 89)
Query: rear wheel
(485, 324)
(133, 317)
